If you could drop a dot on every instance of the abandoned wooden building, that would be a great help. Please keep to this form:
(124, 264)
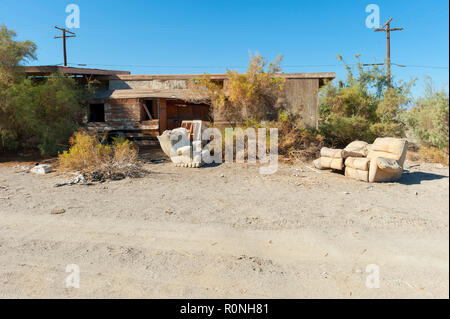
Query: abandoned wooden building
(143, 106)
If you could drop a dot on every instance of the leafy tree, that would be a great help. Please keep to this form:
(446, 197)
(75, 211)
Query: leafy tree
(12, 53)
(34, 115)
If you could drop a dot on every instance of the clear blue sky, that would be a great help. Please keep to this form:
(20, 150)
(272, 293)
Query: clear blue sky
(168, 37)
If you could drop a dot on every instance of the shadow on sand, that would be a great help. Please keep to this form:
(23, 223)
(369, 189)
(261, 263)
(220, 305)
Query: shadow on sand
(417, 177)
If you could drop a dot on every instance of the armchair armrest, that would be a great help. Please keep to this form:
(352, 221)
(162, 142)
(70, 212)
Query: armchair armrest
(384, 170)
(388, 165)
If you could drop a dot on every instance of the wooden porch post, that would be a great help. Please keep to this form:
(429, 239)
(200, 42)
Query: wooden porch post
(162, 115)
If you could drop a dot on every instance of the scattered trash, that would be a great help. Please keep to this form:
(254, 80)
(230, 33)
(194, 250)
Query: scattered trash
(80, 179)
(41, 169)
(169, 212)
(58, 211)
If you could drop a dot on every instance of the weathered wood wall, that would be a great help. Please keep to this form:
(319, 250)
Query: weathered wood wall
(302, 98)
(301, 94)
(124, 114)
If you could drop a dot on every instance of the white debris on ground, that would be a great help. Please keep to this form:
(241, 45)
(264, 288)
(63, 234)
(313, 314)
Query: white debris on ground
(42, 169)
(79, 179)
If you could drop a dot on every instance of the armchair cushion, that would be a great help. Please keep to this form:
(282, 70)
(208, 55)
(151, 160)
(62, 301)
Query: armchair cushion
(330, 158)
(331, 152)
(333, 163)
(361, 163)
(356, 149)
(357, 174)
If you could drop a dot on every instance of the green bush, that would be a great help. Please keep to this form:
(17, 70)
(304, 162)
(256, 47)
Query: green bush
(34, 114)
(362, 107)
(429, 118)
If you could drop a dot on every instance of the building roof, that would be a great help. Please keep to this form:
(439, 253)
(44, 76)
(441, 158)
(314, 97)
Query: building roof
(49, 69)
(140, 77)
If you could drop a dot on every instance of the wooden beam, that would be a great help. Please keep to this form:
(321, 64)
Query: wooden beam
(146, 111)
(162, 115)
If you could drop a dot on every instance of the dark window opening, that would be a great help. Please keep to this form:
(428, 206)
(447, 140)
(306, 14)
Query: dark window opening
(149, 110)
(96, 113)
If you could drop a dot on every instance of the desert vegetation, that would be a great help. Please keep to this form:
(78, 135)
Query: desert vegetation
(360, 108)
(98, 160)
(36, 115)
(363, 108)
(42, 115)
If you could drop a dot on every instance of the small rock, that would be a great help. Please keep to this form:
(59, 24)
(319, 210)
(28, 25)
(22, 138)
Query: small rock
(169, 212)
(58, 211)
(222, 175)
(42, 169)
(346, 193)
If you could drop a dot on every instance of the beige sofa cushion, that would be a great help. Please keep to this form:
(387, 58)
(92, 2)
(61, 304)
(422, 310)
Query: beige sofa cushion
(388, 147)
(361, 163)
(333, 163)
(357, 174)
(356, 149)
(331, 152)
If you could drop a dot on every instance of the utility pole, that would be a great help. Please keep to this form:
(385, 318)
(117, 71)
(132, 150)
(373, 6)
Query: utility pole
(64, 36)
(387, 28)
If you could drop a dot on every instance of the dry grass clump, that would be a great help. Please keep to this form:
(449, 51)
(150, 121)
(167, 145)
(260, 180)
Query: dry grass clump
(98, 161)
(294, 140)
(433, 154)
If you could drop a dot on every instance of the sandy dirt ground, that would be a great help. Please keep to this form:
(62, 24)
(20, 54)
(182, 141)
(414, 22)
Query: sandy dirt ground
(225, 232)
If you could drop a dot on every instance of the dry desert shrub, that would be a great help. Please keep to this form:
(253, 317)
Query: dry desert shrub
(98, 161)
(433, 154)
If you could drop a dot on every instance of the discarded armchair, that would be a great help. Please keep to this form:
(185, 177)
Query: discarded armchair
(384, 161)
(381, 161)
(177, 145)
